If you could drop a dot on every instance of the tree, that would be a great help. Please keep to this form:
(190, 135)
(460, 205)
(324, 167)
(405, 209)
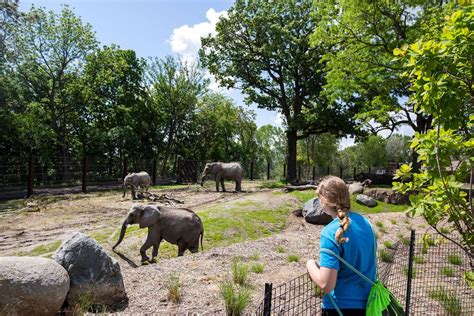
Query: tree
(263, 49)
(398, 148)
(360, 66)
(442, 75)
(372, 151)
(319, 150)
(174, 89)
(49, 49)
(9, 16)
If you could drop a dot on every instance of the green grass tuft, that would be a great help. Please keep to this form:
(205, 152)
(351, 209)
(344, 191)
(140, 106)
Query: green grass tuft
(419, 259)
(388, 244)
(449, 301)
(272, 184)
(240, 273)
(172, 285)
(385, 255)
(454, 259)
(445, 230)
(257, 267)
(379, 224)
(42, 249)
(280, 249)
(293, 258)
(236, 299)
(447, 271)
(393, 221)
(255, 256)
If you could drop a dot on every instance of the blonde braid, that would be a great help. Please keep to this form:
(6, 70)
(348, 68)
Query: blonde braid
(344, 222)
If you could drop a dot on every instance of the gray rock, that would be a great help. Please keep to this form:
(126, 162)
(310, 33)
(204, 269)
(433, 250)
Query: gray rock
(314, 214)
(388, 196)
(366, 200)
(91, 270)
(32, 286)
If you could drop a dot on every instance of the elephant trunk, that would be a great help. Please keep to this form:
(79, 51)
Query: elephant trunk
(122, 234)
(202, 181)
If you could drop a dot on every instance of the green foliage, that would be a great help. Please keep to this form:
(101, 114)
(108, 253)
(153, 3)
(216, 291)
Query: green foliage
(293, 258)
(236, 298)
(172, 285)
(455, 259)
(388, 244)
(385, 255)
(42, 249)
(257, 267)
(449, 301)
(447, 271)
(419, 259)
(255, 256)
(280, 249)
(379, 224)
(440, 70)
(239, 273)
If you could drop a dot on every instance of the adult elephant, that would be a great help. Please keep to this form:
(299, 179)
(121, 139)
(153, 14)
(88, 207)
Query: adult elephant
(224, 171)
(178, 226)
(136, 180)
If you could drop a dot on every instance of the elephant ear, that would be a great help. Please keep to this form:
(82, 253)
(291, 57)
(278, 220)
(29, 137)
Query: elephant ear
(150, 216)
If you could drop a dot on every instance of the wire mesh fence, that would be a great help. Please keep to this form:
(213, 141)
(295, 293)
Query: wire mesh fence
(429, 277)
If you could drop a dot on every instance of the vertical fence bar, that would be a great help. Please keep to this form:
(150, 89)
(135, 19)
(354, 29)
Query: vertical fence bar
(354, 173)
(267, 304)
(125, 167)
(153, 170)
(268, 170)
(251, 170)
(329, 170)
(369, 169)
(284, 170)
(340, 172)
(84, 174)
(299, 173)
(29, 191)
(314, 173)
(410, 272)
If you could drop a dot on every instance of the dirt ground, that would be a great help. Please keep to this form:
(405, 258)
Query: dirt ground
(50, 219)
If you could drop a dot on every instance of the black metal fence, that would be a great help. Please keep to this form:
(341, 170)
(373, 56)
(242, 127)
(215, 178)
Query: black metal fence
(429, 276)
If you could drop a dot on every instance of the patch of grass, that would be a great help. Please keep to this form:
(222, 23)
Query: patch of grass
(419, 259)
(455, 259)
(406, 221)
(447, 271)
(172, 285)
(385, 255)
(393, 221)
(469, 278)
(445, 230)
(379, 224)
(280, 249)
(255, 256)
(85, 302)
(42, 249)
(449, 301)
(382, 230)
(413, 272)
(236, 299)
(404, 240)
(303, 196)
(272, 184)
(293, 258)
(11, 205)
(257, 267)
(169, 187)
(101, 236)
(240, 273)
(381, 207)
(388, 244)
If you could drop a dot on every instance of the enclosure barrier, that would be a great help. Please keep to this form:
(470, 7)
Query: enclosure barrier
(429, 276)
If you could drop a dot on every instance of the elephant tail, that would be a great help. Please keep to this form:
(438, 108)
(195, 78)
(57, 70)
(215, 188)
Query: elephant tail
(201, 238)
(122, 234)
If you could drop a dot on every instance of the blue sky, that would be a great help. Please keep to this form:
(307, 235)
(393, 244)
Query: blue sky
(153, 28)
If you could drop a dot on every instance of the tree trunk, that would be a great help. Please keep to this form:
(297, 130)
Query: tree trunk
(291, 158)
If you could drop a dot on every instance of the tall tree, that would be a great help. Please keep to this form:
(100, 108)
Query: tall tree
(263, 49)
(49, 49)
(174, 87)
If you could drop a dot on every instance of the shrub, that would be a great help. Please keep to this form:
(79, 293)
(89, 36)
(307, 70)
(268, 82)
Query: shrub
(447, 300)
(388, 244)
(393, 221)
(385, 255)
(445, 230)
(257, 268)
(280, 249)
(239, 273)
(447, 271)
(173, 287)
(454, 259)
(236, 298)
(379, 224)
(293, 258)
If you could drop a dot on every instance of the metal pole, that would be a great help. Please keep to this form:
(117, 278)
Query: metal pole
(284, 170)
(410, 272)
(84, 174)
(314, 173)
(268, 170)
(154, 171)
(29, 191)
(340, 172)
(251, 170)
(267, 303)
(354, 173)
(328, 171)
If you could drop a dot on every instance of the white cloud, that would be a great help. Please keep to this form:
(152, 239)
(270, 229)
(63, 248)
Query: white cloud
(186, 40)
(279, 119)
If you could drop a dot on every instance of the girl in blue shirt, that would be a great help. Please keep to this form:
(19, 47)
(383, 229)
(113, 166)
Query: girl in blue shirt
(351, 236)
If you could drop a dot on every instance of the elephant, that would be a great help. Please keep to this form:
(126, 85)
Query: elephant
(135, 180)
(178, 226)
(224, 171)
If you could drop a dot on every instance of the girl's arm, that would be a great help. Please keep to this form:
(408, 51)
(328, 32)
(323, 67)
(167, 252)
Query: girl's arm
(324, 277)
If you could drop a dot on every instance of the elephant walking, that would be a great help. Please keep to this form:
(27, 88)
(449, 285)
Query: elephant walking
(140, 180)
(178, 226)
(224, 171)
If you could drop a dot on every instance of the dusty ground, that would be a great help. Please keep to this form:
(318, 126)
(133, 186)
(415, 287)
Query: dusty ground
(199, 274)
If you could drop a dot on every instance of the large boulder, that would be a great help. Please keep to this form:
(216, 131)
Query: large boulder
(388, 196)
(92, 271)
(313, 213)
(32, 286)
(366, 200)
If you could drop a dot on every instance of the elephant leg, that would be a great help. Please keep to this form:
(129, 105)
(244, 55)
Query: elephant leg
(217, 185)
(182, 246)
(154, 253)
(222, 184)
(238, 186)
(144, 248)
(133, 193)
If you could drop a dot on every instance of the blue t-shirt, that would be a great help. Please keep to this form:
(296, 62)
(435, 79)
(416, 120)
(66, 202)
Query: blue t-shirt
(351, 290)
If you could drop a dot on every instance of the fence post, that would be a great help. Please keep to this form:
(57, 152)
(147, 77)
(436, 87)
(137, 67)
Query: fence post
(328, 170)
(369, 169)
(340, 172)
(251, 170)
(268, 170)
(299, 173)
(29, 191)
(314, 173)
(284, 170)
(267, 301)
(125, 168)
(153, 170)
(84, 174)
(354, 173)
(410, 272)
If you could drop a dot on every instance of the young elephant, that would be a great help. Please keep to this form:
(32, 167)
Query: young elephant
(178, 226)
(224, 171)
(136, 180)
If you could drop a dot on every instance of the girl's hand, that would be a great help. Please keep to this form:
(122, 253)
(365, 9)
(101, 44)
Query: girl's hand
(311, 264)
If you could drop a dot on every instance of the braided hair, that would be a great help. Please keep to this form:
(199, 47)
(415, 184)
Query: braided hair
(334, 194)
